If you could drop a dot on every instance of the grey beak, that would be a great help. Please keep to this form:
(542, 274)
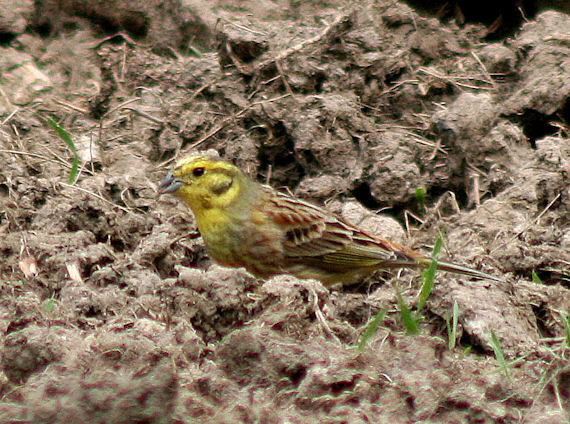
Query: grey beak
(169, 184)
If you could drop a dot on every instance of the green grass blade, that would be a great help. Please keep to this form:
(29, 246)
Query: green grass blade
(496, 345)
(64, 135)
(371, 329)
(452, 326)
(194, 51)
(410, 322)
(567, 330)
(429, 275)
(421, 198)
(535, 278)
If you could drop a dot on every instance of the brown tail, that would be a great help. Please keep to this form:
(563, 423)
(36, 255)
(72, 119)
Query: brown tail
(446, 267)
(459, 269)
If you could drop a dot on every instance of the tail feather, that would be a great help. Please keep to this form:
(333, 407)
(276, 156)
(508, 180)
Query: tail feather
(446, 267)
(459, 269)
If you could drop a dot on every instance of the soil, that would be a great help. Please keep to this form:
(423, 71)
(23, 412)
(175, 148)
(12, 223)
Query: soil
(111, 310)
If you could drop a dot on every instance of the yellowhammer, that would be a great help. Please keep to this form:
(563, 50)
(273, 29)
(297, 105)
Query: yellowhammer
(246, 224)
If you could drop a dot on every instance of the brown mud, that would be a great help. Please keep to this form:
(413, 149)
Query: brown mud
(112, 312)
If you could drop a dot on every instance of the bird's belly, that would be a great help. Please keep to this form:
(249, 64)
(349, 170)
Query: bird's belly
(237, 243)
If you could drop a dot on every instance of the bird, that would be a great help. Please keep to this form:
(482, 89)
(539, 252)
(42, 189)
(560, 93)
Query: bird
(247, 224)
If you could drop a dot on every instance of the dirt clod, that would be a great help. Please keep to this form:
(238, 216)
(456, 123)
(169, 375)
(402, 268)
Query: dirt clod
(411, 125)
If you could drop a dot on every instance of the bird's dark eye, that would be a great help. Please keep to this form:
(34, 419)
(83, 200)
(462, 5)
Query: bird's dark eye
(198, 172)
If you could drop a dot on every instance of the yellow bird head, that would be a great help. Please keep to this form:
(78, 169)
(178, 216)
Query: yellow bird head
(204, 182)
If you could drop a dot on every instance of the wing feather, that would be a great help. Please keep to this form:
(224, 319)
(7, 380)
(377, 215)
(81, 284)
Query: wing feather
(320, 237)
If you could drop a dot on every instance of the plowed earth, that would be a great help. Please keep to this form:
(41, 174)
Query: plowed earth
(112, 312)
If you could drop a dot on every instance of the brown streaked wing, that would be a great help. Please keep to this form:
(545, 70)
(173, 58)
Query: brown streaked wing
(304, 226)
(313, 232)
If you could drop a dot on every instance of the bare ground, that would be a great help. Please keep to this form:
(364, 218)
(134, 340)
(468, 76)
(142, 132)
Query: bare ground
(111, 311)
